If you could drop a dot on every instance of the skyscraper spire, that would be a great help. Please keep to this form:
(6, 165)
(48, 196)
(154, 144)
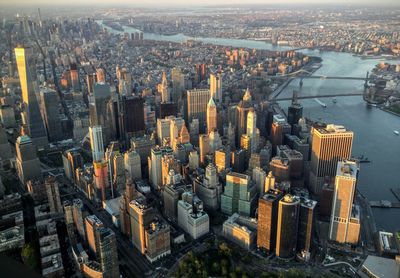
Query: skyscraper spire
(247, 96)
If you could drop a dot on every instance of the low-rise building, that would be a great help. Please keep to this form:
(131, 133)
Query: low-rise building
(241, 230)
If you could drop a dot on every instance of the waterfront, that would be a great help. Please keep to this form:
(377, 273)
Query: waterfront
(373, 128)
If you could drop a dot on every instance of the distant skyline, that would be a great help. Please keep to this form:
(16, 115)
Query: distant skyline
(183, 3)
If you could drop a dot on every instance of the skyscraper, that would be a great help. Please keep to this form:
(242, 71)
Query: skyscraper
(252, 129)
(53, 195)
(132, 165)
(178, 84)
(216, 87)
(306, 223)
(288, 218)
(51, 114)
(240, 195)
(330, 144)
(96, 142)
(27, 162)
(211, 116)
(132, 117)
(345, 220)
(267, 219)
(98, 109)
(243, 109)
(108, 253)
(93, 224)
(295, 111)
(197, 101)
(30, 93)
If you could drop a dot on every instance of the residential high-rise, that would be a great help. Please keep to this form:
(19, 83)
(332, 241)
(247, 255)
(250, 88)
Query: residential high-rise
(96, 142)
(197, 101)
(243, 109)
(27, 162)
(53, 195)
(30, 93)
(92, 225)
(330, 144)
(141, 217)
(287, 225)
(267, 219)
(133, 165)
(108, 253)
(216, 87)
(345, 222)
(211, 116)
(191, 217)
(158, 240)
(240, 195)
(51, 114)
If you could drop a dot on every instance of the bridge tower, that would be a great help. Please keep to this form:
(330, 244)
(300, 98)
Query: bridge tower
(301, 83)
(366, 80)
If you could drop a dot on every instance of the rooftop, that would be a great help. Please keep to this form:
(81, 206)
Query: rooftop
(381, 267)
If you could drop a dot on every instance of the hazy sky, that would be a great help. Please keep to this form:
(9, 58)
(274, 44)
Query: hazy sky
(192, 2)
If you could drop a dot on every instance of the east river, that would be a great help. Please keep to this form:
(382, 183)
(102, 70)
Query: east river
(373, 128)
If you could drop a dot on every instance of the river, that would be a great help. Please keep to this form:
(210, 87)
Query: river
(373, 128)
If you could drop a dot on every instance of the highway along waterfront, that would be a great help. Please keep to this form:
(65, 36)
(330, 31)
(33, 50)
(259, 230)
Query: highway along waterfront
(374, 137)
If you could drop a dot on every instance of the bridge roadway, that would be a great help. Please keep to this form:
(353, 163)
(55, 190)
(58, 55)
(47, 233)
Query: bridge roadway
(319, 77)
(323, 96)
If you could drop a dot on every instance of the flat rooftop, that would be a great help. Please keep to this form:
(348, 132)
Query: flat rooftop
(381, 267)
(347, 168)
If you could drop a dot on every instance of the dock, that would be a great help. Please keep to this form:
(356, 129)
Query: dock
(384, 204)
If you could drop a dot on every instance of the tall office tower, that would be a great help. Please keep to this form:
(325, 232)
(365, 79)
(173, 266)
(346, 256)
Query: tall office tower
(194, 131)
(288, 219)
(101, 180)
(245, 145)
(191, 217)
(295, 163)
(329, 145)
(158, 239)
(5, 147)
(93, 225)
(108, 253)
(141, 217)
(171, 193)
(143, 145)
(345, 221)
(269, 182)
(79, 215)
(208, 188)
(193, 160)
(155, 170)
(240, 195)
(222, 159)
(91, 79)
(69, 221)
(27, 162)
(215, 141)
(295, 111)
(267, 219)
(98, 109)
(252, 129)
(231, 136)
(197, 101)
(53, 195)
(163, 130)
(74, 77)
(101, 75)
(169, 162)
(259, 176)
(204, 144)
(211, 116)
(163, 89)
(119, 177)
(306, 223)
(216, 87)
(243, 108)
(7, 115)
(280, 169)
(30, 93)
(51, 114)
(238, 161)
(278, 130)
(176, 125)
(96, 142)
(132, 117)
(178, 84)
(132, 165)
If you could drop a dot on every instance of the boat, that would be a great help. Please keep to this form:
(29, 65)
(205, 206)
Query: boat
(396, 132)
(320, 102)
(362, 159)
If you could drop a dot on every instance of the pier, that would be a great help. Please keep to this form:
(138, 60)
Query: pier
(384, 204)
